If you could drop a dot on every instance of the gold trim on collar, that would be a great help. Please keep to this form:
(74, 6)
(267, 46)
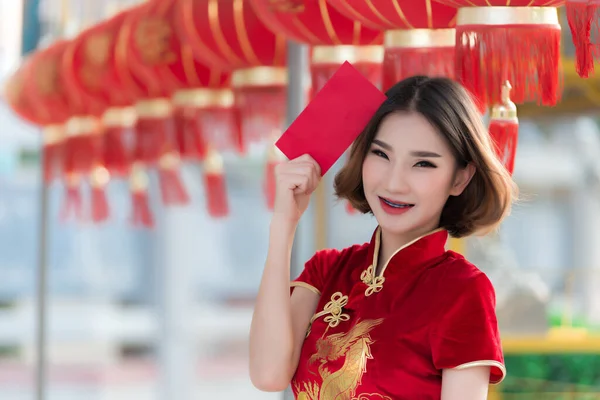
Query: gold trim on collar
(368, 276)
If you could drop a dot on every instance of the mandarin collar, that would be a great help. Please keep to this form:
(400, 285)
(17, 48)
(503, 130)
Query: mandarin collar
(412, 255)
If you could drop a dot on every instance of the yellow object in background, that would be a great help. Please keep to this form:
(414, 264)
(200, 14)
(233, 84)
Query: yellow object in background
(457, 245)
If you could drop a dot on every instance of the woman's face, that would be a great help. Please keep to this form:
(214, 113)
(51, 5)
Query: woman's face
(409, 173)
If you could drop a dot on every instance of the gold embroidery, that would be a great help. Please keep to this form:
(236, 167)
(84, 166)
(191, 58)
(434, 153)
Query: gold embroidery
(152, 37)
(355, 347)
(372, 396)
(375, 284)
(291, 6)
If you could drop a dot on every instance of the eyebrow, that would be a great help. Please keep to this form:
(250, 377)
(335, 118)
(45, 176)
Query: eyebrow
(414, 153)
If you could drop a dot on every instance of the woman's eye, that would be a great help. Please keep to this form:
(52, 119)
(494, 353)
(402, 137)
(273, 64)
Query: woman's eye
(379, 153)
(425, 164)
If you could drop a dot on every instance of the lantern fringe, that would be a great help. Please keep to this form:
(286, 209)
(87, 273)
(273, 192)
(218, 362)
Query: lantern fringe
(172, 189)
(150, 139)
(400, 63)
(262, 109)
(583, 23)
(100, 207)
(528, 57)
(239, 143)
(140, 205)
(321, 73)
(141, 216)
(270, 183)
(505, 135)
(216, 195)
(116, 158)
(72, 203)
(99, 179)
(80, 152)
(188, 134)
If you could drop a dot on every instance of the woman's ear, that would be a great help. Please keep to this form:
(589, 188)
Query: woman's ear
(461, 179)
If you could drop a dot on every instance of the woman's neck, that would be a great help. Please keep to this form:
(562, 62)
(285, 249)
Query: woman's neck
(390, 244)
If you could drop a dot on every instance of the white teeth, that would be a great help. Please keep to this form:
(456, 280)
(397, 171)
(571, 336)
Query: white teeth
(389, 203)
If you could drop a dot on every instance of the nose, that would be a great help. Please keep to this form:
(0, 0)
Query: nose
(397, 181)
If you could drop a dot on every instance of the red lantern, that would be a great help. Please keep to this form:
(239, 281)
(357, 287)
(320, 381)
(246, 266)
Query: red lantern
(519, 43)
(90, 66)
(47, 89)
(419, 37)
(78, 62)
(18, 94)
(583, 22)
(227, 34)
(334, 37)
(143, 43)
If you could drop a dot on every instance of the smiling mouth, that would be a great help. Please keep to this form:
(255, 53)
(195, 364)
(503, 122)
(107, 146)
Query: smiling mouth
(396, 205)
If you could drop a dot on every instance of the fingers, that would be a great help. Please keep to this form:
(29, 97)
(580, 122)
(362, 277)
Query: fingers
(306, 158)
(302, 175)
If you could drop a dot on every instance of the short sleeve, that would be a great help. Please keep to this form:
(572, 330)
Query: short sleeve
(467, 333)
(315, 271)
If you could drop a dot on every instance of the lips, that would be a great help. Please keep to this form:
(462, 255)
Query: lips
(393, 207)
(396, 204)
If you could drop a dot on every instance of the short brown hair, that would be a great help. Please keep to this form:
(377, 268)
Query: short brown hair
(450, 109)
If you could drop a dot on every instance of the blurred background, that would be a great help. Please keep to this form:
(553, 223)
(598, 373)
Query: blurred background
(163, 311)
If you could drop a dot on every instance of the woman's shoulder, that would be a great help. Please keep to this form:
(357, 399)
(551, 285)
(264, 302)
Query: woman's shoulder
(461, 274)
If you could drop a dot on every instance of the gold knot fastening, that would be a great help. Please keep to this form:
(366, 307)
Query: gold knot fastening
(375, 284)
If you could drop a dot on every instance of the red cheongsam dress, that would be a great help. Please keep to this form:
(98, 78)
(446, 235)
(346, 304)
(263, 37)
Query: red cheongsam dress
(389, 337)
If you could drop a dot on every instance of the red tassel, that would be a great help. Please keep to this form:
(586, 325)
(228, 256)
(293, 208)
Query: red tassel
(274, 157)
(403, 62)
(214, 186)
(72, 204)
(172, 189)
(82, 144)
(322, 72)
(100, 208)
(504, 129)
(582, 16)
(118, 143)
(239, 144)
(141, 214)
(190, 141)
(262, 107)
(115, 156)
(526, 55)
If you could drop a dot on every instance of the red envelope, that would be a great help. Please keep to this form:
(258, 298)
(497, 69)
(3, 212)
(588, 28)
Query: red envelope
(333, 119)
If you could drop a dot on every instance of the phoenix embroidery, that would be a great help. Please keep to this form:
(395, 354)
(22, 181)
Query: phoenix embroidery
(355, 346)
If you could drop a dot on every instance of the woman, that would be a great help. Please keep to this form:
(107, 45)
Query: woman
(398, 317)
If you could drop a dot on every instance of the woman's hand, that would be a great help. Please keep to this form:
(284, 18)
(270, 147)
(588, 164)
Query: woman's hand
(296, 180)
